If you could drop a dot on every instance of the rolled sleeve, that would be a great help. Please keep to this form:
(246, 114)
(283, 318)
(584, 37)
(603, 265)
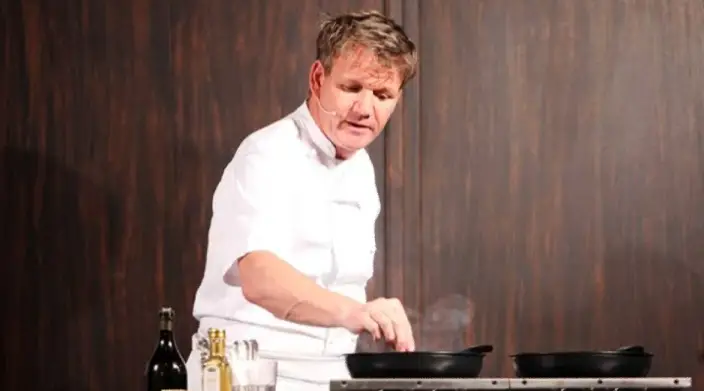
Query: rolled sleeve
(251, 209)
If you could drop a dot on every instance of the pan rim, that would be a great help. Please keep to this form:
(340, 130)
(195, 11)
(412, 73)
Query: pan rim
(595, 353)
(423, 353)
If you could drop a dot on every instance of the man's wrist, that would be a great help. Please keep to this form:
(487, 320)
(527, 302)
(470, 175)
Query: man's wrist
(345, 308)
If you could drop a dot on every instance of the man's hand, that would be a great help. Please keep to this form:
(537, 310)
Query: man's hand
(382, 318)
(290, 295)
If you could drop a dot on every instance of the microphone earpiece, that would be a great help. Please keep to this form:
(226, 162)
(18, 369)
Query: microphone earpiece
(320, 104)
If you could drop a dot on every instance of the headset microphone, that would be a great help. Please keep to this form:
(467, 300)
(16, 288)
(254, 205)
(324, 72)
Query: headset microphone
(333, 113)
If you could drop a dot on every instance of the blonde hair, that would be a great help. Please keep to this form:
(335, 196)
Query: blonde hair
(371, 30)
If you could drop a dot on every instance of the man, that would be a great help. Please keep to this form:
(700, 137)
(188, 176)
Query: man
(291, 242)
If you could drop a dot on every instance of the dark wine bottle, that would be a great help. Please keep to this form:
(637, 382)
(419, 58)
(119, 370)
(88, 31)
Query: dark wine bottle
(166, 370)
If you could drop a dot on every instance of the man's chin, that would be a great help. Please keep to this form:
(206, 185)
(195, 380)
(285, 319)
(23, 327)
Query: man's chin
(356, 145)
(346, 150)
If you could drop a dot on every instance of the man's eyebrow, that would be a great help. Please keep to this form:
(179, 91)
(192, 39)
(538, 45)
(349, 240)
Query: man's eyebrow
(385, 90)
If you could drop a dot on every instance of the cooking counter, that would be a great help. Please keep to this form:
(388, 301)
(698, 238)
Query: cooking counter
(510, 383)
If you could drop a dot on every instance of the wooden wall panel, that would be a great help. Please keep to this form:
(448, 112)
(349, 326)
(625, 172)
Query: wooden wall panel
(545, 164)
(402, 186)
(117, 121)
(560, 173)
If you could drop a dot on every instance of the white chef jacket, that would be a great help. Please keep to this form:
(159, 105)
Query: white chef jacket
(284, 191)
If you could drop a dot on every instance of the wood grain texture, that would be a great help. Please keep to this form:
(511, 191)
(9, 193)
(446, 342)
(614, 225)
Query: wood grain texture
(546, 163)
(402, 191)
(561, 173)
(118, 118)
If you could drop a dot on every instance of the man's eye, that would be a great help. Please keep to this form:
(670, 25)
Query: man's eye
(351, 88)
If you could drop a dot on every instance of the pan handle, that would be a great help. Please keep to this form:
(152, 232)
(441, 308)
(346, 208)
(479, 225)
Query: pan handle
(479, 349)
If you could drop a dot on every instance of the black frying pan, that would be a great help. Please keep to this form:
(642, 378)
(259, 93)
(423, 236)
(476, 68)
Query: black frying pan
(405, 365)
(631, 361)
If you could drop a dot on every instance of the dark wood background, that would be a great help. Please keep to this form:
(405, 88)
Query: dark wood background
(546, 164)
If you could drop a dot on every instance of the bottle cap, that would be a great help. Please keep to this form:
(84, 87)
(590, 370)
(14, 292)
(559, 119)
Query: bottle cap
(216, 333)
(167, 312)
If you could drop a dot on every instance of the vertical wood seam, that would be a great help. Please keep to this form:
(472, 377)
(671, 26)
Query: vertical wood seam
(388, 162)
(418, 120)
(403, 256)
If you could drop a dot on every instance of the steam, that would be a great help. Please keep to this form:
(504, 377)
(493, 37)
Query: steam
(441, 326)
(444, 324)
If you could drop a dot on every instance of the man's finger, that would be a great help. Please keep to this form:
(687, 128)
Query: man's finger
(371, 326)
(385, 323)
(404, 330)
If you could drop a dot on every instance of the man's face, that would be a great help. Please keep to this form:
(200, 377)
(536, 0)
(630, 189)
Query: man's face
(358, 96)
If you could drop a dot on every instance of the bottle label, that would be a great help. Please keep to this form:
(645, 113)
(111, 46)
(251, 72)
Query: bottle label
(211, 379)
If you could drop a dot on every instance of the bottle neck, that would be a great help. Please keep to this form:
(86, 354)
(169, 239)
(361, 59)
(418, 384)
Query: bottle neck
(217, 349)
(166, 334)
(166, 325)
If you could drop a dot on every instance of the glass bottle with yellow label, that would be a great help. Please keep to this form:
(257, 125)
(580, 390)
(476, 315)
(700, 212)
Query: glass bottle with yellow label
(217, 374)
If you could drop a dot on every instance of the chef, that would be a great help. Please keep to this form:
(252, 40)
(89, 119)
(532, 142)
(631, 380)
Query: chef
(291, 242)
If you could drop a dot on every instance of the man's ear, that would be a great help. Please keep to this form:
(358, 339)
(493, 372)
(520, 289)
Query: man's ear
(316, 77)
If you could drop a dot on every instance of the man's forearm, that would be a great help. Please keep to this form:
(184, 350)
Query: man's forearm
(282, 290)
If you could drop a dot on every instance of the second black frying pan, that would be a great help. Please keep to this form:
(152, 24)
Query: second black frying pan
(631, 361)
(404, 365)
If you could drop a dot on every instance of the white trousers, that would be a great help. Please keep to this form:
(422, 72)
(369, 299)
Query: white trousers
(304, 362)
(283, 382)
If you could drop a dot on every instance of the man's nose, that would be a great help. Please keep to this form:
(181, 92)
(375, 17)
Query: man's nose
(364, 105)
